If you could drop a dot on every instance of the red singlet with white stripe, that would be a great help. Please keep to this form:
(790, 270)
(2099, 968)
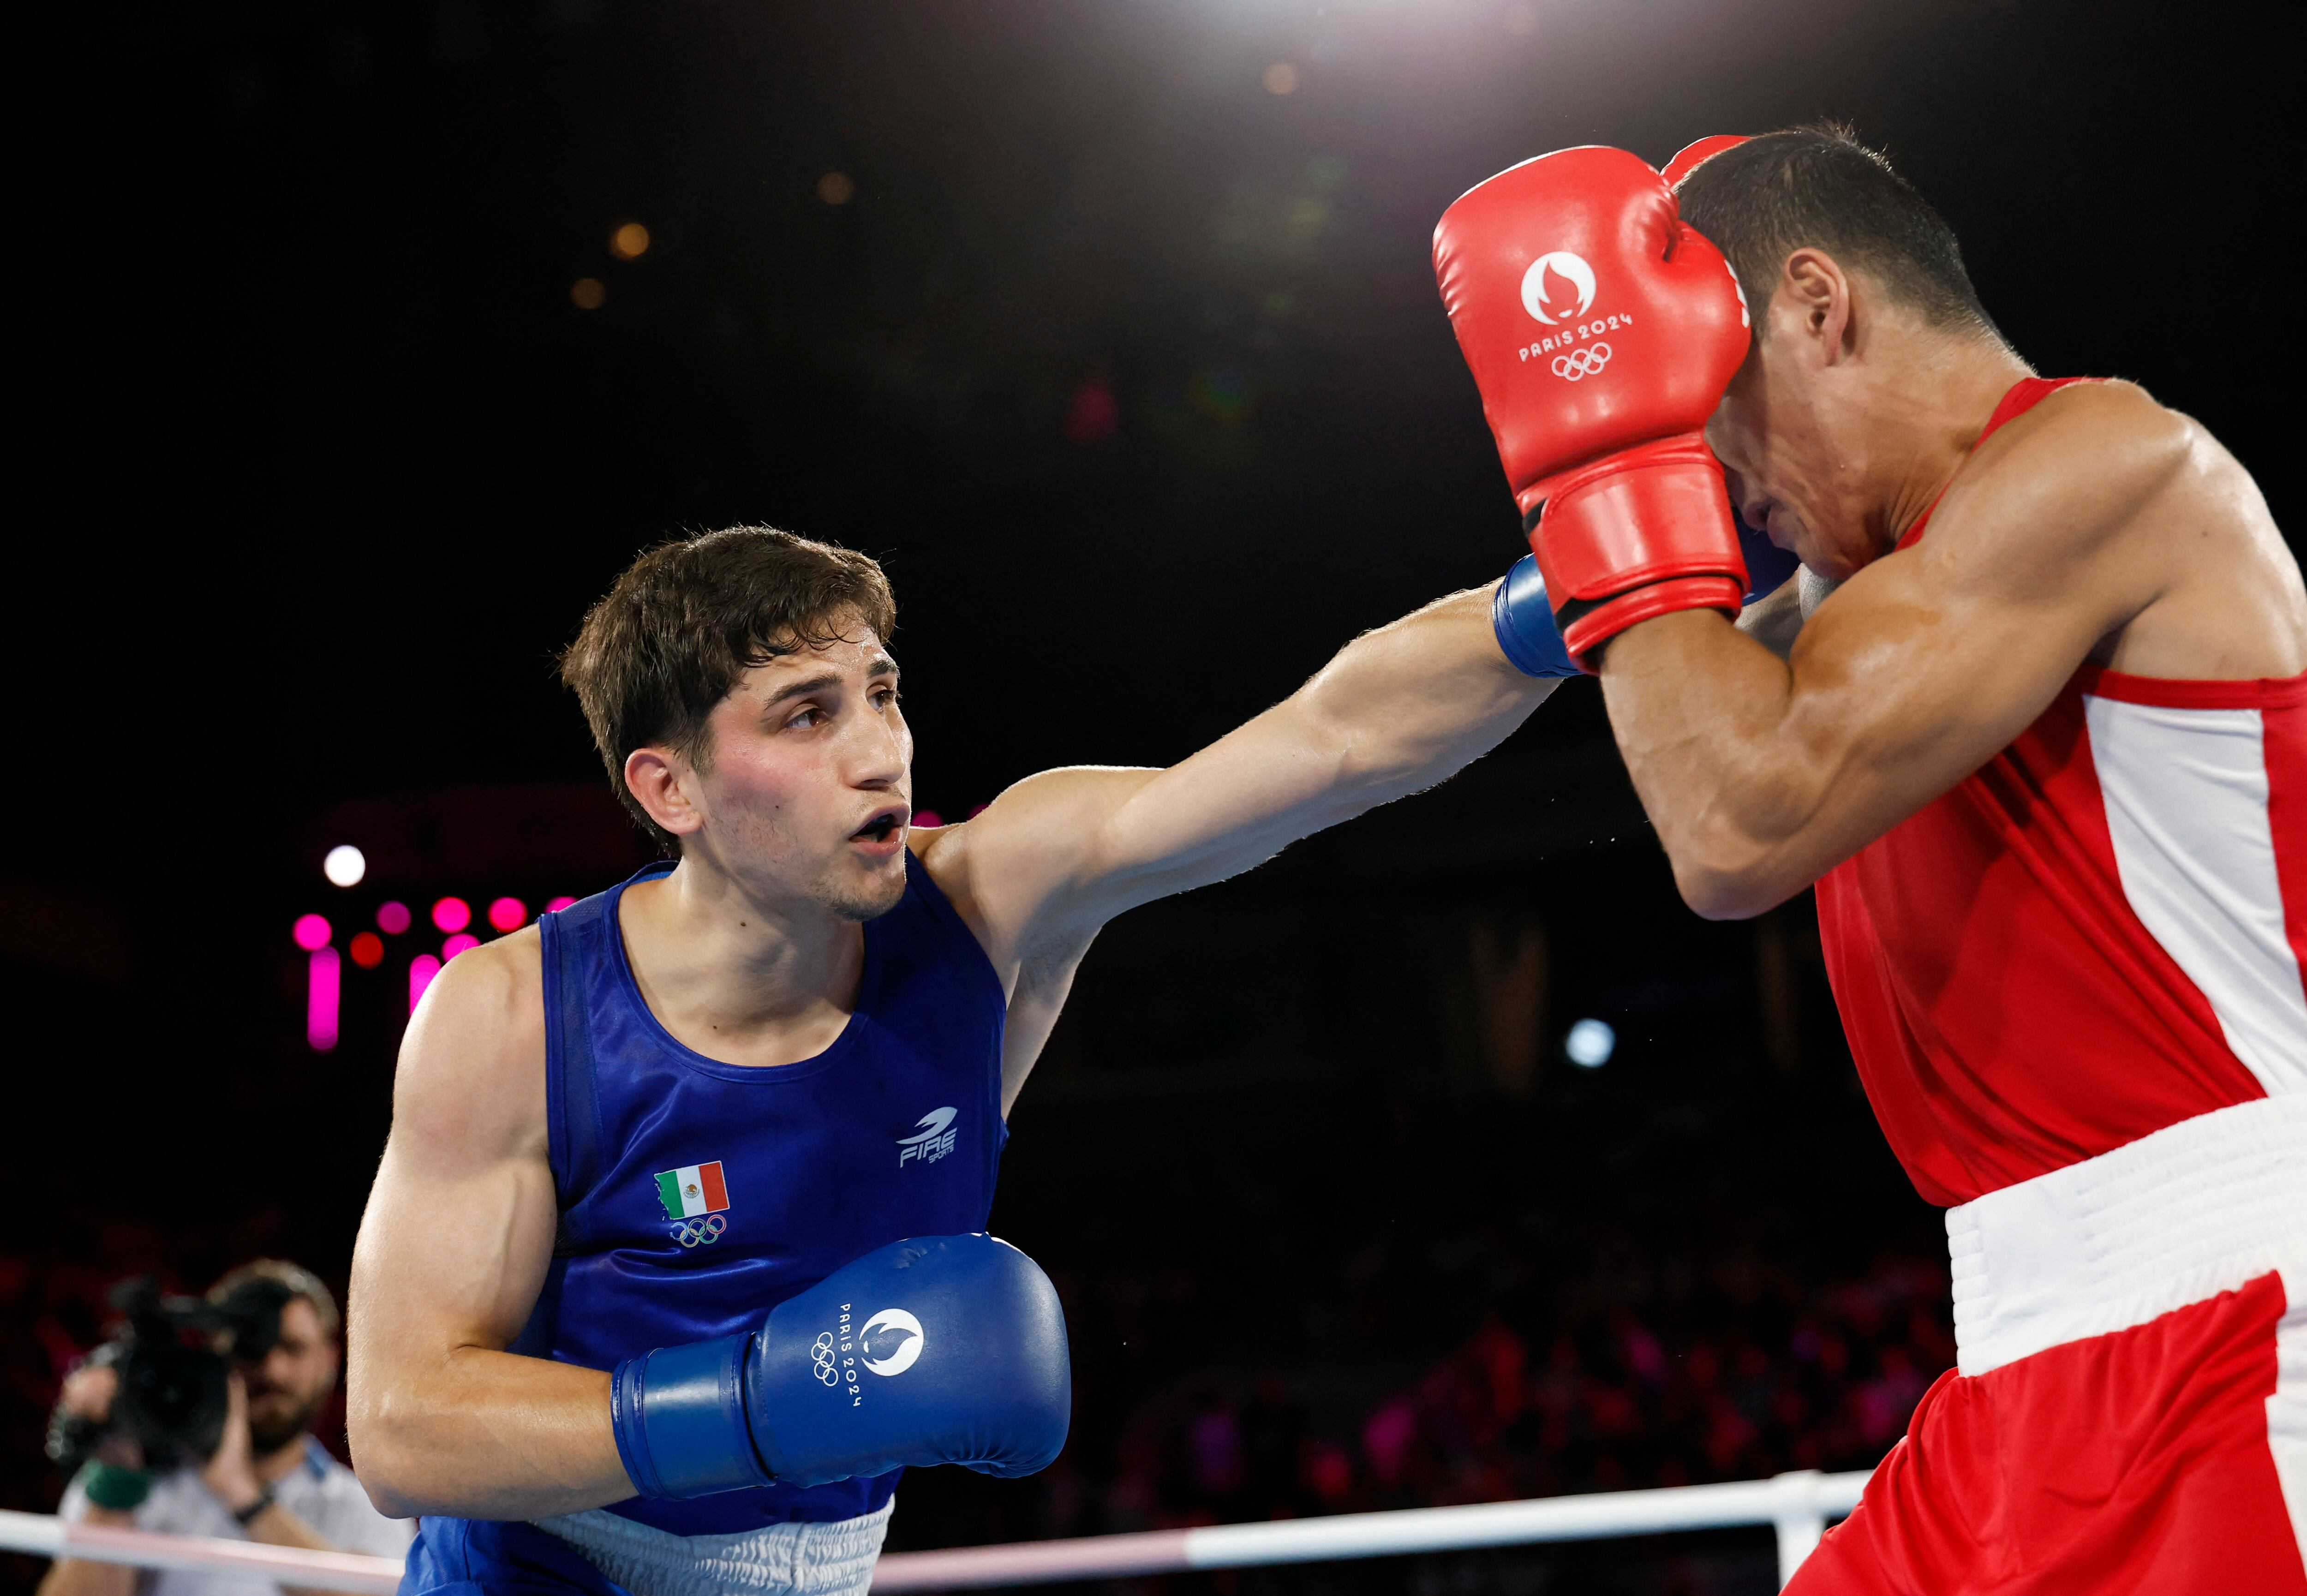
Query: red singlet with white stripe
(2098, 935)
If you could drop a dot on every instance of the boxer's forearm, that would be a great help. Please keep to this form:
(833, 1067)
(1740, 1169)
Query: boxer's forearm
(479, 1434)
(1703, 718)
(1397, 710)
(1411, 703)
(1761, 775)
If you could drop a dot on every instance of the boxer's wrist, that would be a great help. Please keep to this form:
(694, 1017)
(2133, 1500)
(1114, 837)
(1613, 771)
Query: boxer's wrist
(1522, 617)
(679, 1417)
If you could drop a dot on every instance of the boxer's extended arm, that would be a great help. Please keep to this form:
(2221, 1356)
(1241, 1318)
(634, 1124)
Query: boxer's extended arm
(1397, 710)
(1762, 774)
(452, 1252)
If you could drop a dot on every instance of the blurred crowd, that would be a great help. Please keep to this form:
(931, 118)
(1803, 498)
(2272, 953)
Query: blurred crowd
(1538, 1401)
(1646, 1369)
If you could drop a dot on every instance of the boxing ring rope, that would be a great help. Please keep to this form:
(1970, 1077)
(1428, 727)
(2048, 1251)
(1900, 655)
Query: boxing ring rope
(1798, 1504)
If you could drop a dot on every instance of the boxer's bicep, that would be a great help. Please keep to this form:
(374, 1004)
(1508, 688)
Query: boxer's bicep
(1761, 775)
(458, 1230)
(1929, 661)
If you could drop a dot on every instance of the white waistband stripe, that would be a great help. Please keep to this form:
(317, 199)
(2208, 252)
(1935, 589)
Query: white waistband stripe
(2172, 1218)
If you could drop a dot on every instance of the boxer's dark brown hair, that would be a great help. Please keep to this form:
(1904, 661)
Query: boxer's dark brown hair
(1819, 187)
(688, 618)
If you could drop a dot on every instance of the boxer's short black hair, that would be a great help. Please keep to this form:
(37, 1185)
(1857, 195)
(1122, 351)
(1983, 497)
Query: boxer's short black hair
(1819, 187)
(687, 620)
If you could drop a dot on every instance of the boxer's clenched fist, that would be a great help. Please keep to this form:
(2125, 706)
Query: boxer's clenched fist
(1601, 332)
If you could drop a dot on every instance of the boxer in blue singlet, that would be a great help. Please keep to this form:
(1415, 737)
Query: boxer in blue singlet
(626, 1310)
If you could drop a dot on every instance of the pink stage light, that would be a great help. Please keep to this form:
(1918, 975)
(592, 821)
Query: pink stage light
(553, 905)
(321, 987)
(459, 943)
(452, 913)
(392, 918)
(311, 932)
(508, 914)
(927, 817)
(421, 971)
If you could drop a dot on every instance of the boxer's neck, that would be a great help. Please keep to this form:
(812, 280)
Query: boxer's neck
(737, 976)
(1929, 398)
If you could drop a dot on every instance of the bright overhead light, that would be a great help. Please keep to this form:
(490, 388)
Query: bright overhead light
(345, 865)
(1590, 1044)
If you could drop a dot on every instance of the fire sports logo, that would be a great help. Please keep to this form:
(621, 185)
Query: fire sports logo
(1573, 271)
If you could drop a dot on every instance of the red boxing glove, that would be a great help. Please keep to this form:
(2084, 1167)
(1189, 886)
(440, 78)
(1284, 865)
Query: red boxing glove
(1601, 333)
(1697, 150)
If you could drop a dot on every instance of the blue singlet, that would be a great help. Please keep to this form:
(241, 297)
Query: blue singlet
(697, 1195)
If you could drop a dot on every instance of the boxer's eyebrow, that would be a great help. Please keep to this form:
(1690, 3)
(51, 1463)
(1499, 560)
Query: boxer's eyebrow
(882, 666)
(808, 684)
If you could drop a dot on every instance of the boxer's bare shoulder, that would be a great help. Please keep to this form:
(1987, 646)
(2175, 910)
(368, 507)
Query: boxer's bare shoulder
(472, 1064)
(2140, 517)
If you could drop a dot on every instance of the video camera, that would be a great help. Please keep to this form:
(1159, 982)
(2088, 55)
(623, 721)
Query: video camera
(173, 1355)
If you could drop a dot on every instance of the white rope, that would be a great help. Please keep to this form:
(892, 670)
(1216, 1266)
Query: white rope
(1798, 1504)
(46, 1535)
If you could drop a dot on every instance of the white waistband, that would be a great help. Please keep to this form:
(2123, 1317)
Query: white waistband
(2193, 1210)
(790, 1559)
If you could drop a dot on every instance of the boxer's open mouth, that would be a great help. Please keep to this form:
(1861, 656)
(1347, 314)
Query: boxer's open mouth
(880, 826)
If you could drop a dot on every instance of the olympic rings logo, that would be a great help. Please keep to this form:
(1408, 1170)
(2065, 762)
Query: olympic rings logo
(700, 1233)
(820, 1358)
(1582, 362)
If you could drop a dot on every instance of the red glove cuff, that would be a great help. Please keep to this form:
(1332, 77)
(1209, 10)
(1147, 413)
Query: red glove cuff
(1635, 535)
(1606, 620)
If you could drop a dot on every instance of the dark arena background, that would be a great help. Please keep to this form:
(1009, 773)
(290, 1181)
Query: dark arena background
(358, 345)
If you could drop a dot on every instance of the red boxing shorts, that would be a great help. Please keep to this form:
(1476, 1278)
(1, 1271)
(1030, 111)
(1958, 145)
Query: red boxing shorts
(2128, 1409)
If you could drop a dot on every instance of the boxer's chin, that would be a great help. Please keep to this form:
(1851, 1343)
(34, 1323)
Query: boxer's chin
(868, 897)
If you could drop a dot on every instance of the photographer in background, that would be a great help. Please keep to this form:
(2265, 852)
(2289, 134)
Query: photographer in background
(266, 1478)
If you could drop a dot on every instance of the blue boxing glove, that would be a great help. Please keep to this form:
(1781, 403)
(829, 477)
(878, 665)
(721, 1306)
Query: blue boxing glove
(945, 1350)
(1523, 618)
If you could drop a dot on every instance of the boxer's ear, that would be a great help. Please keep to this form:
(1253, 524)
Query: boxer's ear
(655, 777)
(1817, 291)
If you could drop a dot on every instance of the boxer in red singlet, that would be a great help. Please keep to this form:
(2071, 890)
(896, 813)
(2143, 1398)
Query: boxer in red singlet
(2033, 717)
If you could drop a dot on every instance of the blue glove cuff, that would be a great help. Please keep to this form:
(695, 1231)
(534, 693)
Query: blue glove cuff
(1523, 618)
(679, 1413)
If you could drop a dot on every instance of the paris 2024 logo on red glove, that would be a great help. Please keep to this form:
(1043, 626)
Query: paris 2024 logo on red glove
(1592, 317)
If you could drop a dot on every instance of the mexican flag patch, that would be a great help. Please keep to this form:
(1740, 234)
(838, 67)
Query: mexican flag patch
(692, 1190)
